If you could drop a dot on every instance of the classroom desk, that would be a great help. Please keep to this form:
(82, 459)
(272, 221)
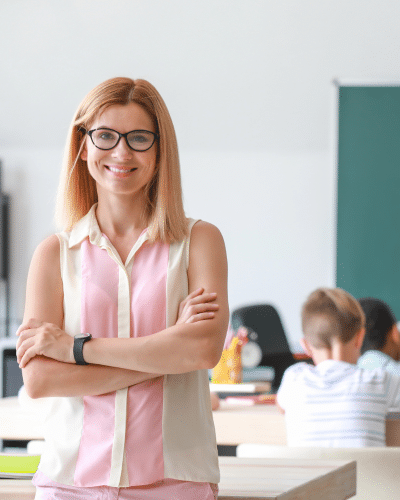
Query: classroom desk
(257, 479)
(236, 424)
(264, 424)
(233, 424)
(16, 423)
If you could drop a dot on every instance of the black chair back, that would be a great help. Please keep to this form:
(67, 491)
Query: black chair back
(265, 321)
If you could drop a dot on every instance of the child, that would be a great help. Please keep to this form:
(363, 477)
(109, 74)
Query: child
(335, 403)
(381, 346)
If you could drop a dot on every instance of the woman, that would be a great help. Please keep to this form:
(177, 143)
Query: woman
(135, 421)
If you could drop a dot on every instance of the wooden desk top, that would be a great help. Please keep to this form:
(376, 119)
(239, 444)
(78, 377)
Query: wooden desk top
(257, 479)
(286, 479)
(234, 424)
(17, 489)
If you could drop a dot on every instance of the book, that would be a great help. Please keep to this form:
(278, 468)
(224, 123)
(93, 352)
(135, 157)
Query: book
(241, 388)
(18, 466)
(261, 399)
(258, 374)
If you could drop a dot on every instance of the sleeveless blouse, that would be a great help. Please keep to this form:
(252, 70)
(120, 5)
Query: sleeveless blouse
(159, 429)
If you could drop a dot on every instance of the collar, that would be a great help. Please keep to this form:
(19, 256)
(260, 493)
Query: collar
(329, 364)
(88, 227)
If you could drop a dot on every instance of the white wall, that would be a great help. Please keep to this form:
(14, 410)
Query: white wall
(249, 87)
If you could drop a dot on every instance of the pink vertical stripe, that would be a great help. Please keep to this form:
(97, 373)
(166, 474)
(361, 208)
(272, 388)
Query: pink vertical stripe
(99, 316)
(144, 448)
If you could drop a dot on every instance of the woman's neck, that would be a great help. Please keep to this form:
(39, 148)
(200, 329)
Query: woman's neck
(119, 217)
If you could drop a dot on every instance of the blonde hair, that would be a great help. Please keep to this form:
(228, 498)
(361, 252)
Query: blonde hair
(77, 189)
(331, 313)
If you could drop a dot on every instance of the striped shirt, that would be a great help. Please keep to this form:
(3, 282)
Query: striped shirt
(337, 404)
(377, 359)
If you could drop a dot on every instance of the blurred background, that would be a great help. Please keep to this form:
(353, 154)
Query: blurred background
(249, 86)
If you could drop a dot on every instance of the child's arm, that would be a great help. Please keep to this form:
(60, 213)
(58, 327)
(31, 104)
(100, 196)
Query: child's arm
(284, 392)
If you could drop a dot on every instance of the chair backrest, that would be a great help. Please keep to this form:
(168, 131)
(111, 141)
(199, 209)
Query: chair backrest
(265, 321)
(378, 475)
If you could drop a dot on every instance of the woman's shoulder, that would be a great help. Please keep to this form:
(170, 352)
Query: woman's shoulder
(207, 245)
(203, 229)
(49, 247)
(205, 237)
(46, 259)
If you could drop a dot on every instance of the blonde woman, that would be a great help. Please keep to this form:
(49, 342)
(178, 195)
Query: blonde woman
(131, 413)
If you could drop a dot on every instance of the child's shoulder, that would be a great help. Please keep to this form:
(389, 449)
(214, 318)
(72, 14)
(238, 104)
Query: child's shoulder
(377, 374)
(298, 369)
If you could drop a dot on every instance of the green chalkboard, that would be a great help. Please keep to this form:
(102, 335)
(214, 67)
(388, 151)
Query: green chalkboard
(368, 208)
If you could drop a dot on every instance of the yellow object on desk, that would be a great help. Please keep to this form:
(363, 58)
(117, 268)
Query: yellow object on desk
(18, 465)
(229, 368)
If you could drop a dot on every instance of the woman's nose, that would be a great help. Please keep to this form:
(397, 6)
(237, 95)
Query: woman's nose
(122, 150)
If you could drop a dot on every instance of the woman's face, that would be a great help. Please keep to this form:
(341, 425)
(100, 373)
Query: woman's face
(121, 170)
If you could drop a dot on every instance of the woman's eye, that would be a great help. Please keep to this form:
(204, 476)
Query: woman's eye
(106, 136)
(140, 138)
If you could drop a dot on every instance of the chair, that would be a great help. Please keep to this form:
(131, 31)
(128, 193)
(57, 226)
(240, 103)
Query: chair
(378, 475)
(264, 320)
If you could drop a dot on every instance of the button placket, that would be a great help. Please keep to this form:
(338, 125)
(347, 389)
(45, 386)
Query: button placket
(124, 326)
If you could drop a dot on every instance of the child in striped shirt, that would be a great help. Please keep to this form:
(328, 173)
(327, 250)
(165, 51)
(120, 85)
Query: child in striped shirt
(381, 346)
(334, 402)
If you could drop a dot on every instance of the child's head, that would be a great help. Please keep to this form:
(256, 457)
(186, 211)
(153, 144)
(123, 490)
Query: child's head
(331, 315)
(380, 322)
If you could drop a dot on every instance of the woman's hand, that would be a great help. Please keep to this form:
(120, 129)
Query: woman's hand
(197, 306)
(46, 339)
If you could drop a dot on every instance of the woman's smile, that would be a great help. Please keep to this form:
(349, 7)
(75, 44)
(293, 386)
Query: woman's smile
(119, 170)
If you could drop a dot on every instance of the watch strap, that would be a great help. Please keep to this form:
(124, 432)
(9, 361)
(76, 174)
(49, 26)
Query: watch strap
(78, 349)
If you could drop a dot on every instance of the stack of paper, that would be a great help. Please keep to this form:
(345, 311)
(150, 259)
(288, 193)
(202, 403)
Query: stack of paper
(261, 399)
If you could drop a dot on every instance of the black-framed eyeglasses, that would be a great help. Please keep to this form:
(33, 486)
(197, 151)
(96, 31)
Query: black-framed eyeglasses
(107, 138)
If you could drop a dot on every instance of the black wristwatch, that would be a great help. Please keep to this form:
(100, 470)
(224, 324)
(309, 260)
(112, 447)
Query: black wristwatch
(79, 340)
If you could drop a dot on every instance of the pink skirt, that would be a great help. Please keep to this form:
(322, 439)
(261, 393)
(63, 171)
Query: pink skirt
(167, 489)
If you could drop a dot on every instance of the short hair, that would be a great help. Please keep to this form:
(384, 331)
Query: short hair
(77, 189)
(331, 313)
(379, 320)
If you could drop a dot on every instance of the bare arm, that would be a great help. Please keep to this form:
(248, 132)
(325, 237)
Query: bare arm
(44, 377)
(44, 301)
(178, 349)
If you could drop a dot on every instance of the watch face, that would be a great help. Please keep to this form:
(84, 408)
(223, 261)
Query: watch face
(82, 335)
(251, 355)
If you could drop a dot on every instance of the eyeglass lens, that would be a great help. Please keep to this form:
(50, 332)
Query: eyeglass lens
(139, 140)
